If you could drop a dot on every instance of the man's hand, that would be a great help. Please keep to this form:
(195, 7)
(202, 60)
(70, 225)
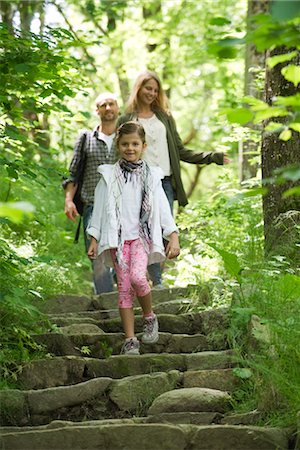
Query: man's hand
(173, 248)
(92, 251)
(71, 210)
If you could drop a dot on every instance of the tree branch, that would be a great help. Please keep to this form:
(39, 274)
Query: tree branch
(88, 56)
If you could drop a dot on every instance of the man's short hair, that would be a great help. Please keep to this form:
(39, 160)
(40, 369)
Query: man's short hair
(106, 96)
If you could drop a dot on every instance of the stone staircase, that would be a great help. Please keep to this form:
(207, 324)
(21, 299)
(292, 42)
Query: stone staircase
(176, 395)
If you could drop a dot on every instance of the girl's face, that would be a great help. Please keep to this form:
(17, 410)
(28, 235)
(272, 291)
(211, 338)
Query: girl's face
(148, 92)
(131, 147)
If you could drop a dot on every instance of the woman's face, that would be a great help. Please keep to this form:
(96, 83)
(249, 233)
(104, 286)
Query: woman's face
(148, 92)
(131, 147)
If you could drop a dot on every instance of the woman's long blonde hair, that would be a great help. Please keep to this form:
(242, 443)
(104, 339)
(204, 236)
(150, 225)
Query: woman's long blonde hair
(161, 103)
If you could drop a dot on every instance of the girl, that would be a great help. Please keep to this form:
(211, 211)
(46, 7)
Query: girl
(148, 104)
(131, 215)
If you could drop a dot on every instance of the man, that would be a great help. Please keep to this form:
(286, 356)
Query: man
(98, 148)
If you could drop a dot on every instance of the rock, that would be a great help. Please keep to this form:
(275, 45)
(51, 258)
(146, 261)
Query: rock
(61, 370)
(209, 360)
(191, 400)
(108, 437)
(136, 393)
(222, 379)
(81, 328)
(185, 343)
(46, 400)
(249, 418)
(195, 418)
(14, 407)
(224, 437)
(126, 365)
(66, 303)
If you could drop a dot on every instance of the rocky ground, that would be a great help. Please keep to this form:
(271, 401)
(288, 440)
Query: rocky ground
(176, 395)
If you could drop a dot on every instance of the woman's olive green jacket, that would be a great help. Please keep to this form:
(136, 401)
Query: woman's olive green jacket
(178, 152)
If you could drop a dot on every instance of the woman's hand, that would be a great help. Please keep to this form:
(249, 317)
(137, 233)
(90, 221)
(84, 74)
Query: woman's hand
(226, 160)
(92, 251)
(173, 248)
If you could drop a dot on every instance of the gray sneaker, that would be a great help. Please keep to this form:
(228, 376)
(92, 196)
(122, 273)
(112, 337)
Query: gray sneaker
(150, 335)
(131, 347)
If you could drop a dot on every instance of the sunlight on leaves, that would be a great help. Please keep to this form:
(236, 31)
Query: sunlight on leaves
(285, 135)
(291, 73)
(274, 60)
(16, 211)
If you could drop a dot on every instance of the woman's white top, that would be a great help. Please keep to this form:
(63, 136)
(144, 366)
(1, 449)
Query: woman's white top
(157, 152)
(103, 224)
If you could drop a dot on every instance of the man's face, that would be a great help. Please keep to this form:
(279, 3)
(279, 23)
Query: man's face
(108, 110)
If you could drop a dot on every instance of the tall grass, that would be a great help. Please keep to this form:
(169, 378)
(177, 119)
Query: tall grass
(264, 293)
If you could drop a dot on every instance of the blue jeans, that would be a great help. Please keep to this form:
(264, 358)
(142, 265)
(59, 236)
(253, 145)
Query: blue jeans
(154, 270)
(102, 275)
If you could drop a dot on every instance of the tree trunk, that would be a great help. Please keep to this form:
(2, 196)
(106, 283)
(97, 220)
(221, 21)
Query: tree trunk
(281, 215)
(254, 64)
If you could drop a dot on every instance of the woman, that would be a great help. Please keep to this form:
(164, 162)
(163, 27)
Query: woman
(148, 105)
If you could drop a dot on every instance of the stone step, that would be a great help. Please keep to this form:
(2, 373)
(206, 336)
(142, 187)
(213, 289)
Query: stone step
(147, 436)
(75, 303)
(108, 398)
(177, 306)
(211, 321)
(67, 370)
(100, 345)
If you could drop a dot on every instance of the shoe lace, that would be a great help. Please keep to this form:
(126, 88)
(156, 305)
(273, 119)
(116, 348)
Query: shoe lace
(149, 325)
(129, 345)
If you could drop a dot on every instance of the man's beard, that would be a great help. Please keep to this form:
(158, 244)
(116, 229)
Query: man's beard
(109, 118)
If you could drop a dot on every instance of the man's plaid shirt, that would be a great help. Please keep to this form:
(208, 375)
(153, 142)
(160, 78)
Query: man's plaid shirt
(96, 153)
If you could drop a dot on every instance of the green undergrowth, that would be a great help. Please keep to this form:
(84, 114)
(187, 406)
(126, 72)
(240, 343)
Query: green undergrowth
(38, 260)
(222, 241)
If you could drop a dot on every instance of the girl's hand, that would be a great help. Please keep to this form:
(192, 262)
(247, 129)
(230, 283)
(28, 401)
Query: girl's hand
(173, 248)
(92, 251)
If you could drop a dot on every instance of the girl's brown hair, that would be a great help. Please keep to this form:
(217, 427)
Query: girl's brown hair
(161, 102)
(129, 128)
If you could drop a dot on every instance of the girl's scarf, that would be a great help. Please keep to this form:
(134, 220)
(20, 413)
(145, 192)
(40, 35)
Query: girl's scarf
(138, 173)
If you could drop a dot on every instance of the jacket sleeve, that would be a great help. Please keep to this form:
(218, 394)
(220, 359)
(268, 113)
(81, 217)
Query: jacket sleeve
(191, 156)
(94, 226)
(77, 163)
(167, 222)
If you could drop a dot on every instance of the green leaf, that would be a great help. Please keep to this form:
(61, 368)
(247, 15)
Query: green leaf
(293, 191)
(242, 372)
(16, 211)
(277, 59)
(239, 115)
(256, 104)
(282, 10)
(285, 135)
(231, 263)
(219, 21)
(274, 126)
(255, 191)
(295, 126)
(291, 100)
(292, 74)
(289, 173)
(269, 112)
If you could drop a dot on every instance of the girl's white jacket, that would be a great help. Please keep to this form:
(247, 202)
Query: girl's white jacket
(103, 223)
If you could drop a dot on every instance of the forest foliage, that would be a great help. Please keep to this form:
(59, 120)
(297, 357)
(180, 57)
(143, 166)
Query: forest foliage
(51, 72)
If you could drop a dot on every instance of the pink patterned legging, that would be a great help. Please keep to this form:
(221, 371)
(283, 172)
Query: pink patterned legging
(132, 278)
